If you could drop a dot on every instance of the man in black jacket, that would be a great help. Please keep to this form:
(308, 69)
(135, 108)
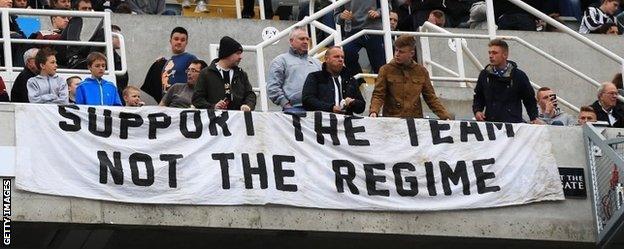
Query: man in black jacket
(502, 88)
(19, 92)
(607, 107)
(223, 85)
(332, 89)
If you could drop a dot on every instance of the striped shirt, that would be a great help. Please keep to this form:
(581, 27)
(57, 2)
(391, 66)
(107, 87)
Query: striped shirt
(593, 19)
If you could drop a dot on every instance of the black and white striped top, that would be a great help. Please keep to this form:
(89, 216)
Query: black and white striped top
(593, 19)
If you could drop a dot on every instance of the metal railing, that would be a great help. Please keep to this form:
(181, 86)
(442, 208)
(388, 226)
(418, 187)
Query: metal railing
(461, 48)
(107, 44)
(605, 158)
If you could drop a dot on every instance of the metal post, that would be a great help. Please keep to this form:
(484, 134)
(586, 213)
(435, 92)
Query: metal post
(122, 54)
(387, 37)
(312, 27)
(261, 5)
(239, 15)
(110, 56)
(460, 60)
(6, 34)
(264, 103)
(491, 19)
(426, 51)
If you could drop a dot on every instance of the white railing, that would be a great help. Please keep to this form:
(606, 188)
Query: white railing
(461, 48)
(107, 44)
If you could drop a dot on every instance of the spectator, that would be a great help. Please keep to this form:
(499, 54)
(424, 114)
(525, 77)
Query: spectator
(72, 84)
(20, 4)
(607, 107)
(95, 90)
(181, 95)
(4, 95)
(173, 72)
(400, 84)
(437, 17)
(223, 85)
(248, 9)
(149, 7)
(83, 5)
(327, 19)
(595, 19)
(123, 8)
(38, 4)
(59, 23)
(511, 17)
(502, 88)
(355, 16)
(403, 10)
(478, 18)
(60, 4)
(394, 20)
(586, 114)
(456, 11)
(132, 96)
(19, 92)
(549, 111)
(47, 87)
(288, 72)
(332, 89)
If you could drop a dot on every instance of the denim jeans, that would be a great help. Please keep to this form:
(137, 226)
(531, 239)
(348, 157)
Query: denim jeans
(374, 46)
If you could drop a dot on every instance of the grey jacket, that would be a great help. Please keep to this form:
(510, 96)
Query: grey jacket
(47, 89)
(359, 9)
(560, 118)
(287, 74)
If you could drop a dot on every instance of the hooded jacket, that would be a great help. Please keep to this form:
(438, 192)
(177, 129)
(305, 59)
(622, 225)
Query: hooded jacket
(93, 91)
(502, 96)
(210, 89)
(47, 89)
(398, 89)
(318, 92)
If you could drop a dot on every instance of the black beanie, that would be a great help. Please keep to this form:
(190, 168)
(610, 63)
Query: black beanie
(228, 46)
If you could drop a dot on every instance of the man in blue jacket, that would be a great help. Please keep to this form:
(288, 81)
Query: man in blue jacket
(502, 88)
(95, 90)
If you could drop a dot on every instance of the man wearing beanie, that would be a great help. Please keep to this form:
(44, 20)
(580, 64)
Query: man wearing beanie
(288, 72)
(223, 85)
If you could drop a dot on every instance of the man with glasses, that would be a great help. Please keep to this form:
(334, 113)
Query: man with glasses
(607, 107)
(180, 95)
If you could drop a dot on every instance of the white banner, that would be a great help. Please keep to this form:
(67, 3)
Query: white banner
(174, 156)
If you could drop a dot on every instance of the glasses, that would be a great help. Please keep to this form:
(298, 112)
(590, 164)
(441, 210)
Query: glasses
(191, 70)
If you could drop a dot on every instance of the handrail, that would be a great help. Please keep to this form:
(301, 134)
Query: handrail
(566, 29)
(107, 44)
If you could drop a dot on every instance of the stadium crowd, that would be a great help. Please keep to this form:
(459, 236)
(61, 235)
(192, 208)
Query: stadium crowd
(298, 82)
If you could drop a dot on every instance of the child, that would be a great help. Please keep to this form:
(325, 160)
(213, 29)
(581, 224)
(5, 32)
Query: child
(95, 90)
(72, 84)
(47, 87)
(132, 96)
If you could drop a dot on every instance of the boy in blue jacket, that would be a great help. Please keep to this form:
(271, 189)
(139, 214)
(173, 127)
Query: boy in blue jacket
(95, 90)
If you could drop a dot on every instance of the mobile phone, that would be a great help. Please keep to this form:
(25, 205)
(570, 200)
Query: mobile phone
(553, 98)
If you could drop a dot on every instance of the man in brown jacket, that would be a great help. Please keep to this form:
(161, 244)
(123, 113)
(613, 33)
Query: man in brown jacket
(400, 84)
